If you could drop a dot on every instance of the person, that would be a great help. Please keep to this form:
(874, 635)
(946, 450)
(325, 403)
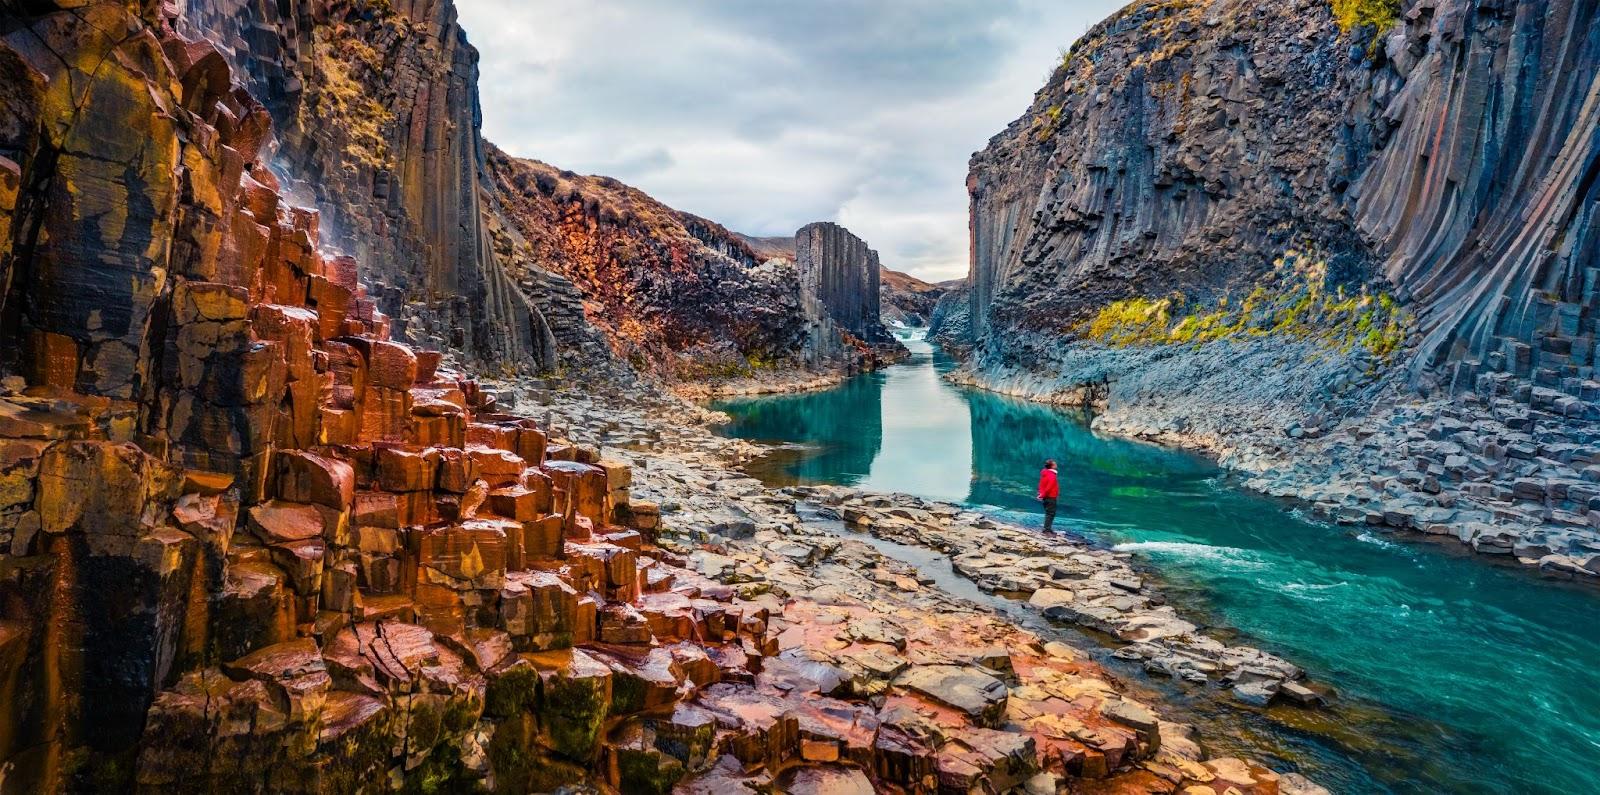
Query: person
(1049, 491)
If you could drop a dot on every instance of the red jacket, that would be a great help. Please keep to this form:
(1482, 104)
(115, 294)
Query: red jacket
(1048, 488)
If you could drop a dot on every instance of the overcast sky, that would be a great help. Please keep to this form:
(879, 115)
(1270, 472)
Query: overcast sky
(765, 116)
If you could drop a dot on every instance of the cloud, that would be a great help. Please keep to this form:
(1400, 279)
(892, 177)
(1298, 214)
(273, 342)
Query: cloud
(766, 116)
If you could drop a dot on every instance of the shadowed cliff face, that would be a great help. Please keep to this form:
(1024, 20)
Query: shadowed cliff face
(1182, 147)
(1179, 147)
(843, 275)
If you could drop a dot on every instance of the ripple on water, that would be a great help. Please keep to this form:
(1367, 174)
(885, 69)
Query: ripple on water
(1454, 675)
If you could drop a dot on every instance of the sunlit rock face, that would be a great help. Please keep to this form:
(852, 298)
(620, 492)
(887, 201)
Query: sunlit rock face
(509, 263)
(671, 293)
(376, 109)
(248, 542)
(1183, 148)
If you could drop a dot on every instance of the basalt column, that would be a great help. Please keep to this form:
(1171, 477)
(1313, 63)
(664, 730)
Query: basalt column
(838, 270)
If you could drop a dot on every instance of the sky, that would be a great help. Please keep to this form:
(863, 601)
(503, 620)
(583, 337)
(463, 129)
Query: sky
(765, 116)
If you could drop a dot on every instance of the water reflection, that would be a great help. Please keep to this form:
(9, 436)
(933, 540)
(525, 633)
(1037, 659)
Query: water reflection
(1471, 677)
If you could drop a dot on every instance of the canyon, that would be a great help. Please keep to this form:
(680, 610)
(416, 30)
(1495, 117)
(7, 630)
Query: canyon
(1353, 261)
(343, 451)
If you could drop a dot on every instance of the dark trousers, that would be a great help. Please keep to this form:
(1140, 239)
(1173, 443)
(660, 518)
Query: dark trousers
(1049, 512)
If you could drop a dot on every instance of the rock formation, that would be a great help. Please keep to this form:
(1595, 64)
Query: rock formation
(251, 543)
(907, 300)
(376, 108)
(1184, 147)
(1141, 240)
(508, 263)
(840, 275)
(671, 292)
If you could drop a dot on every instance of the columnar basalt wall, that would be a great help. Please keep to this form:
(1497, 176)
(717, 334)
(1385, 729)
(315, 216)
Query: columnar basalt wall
(843, 274)
(247, 542)
(1483, 202)
(377, 112)
(1182, 148)
(1179, 147)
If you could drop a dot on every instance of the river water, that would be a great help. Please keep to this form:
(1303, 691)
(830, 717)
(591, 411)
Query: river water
(1454, 674)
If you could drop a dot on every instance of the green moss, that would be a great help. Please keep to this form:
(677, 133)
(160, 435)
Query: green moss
(573, 712)
(512, 691)
(649, 772)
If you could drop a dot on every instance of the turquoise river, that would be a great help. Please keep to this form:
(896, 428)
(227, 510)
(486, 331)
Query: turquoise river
(1453, 674)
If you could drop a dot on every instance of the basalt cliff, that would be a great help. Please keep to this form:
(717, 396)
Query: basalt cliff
(1298, 231)
(512, 264)
(257, 536)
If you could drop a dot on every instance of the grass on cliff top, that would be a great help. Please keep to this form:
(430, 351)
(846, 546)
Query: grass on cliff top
(1352, 14)
(1291, 303)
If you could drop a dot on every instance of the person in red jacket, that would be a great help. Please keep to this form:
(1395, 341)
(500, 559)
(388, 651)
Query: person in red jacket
(1049, 490)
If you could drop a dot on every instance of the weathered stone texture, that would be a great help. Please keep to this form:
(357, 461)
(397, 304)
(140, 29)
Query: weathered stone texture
(837, 270)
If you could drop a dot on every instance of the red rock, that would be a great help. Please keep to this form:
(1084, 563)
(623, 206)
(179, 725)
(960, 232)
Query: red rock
(541, 538)
(492, 436)
(585, 486)
(499, 468)
(331, 301)
(515, 502)
(302, 560)
(389, 364)
(278, 521)
(530, 445)
(385, 414)
(457, 470)
(428, 366)
(399, 470)
(643, 680)
(761, 727)
(539, 610)
(304, 477)
(294, 669)
(469, 555)
(376, 509)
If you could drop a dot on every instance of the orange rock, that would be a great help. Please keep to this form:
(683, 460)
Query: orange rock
(331, 302)
(500, 468)
(304, 477)
(385, 414)
(55, 360)
(492, 435)
(376, 509)
(515, 502)
(399, 470)
(302, 560)
(585, 486)
(539, 609)
(278, 521)
(457, 470)
(468, 555)
(541, 538)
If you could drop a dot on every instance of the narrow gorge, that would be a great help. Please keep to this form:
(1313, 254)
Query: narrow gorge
(343, 450)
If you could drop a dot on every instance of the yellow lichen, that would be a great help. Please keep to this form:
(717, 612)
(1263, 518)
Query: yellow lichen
(1353, 14)
(1291, 302)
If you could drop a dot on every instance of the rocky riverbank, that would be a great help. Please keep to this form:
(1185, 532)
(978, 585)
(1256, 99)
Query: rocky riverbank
(877, 638)
(1509, 467)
